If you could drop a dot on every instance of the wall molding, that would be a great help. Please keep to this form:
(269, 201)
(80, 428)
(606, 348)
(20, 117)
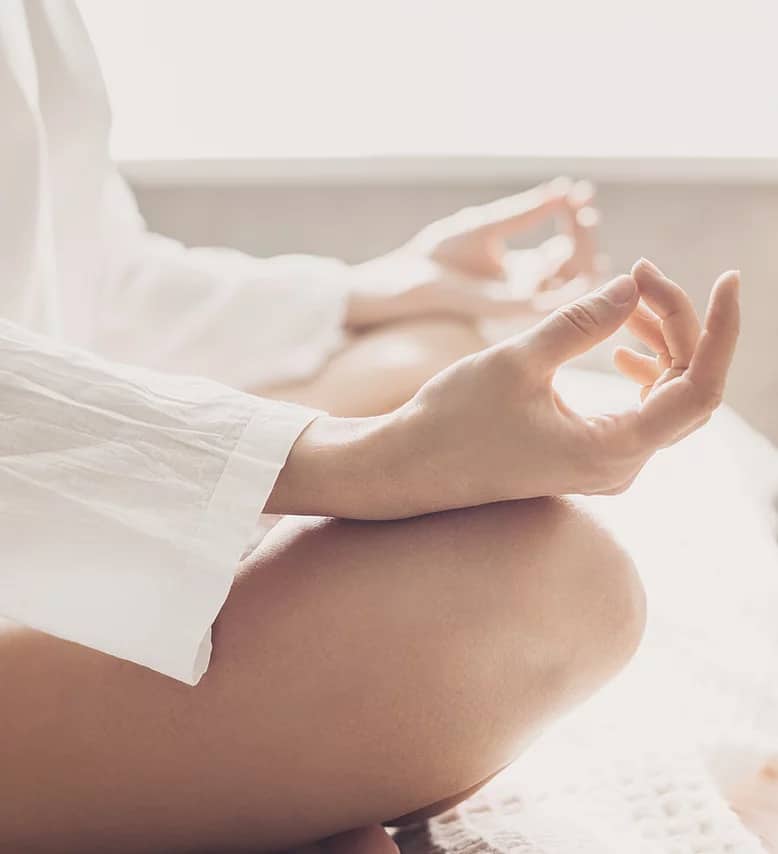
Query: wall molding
(451, 170)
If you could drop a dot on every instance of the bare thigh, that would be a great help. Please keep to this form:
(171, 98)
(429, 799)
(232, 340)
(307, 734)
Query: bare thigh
(360, 671)
(381, 368)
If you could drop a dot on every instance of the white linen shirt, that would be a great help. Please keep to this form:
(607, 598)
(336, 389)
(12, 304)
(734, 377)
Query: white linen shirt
(127, 491)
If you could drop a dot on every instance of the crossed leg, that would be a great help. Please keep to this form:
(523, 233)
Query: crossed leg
(361, 671)
(380, 369)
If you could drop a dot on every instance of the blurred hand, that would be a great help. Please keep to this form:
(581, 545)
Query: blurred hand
(461, 264)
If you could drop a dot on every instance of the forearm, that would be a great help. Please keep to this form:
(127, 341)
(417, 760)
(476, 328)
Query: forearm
(345, 467)
(376, 468)
(394, 287)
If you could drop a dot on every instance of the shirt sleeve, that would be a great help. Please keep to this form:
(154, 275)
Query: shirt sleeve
(127, 498)
(211, 311)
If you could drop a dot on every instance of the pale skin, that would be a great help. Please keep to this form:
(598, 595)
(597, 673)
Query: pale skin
(386, 662)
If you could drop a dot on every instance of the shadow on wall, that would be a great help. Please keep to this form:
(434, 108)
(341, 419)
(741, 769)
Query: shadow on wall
(693, 232)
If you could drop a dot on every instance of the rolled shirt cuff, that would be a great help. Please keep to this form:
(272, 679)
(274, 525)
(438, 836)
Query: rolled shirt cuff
(103, 579)
(229, 522)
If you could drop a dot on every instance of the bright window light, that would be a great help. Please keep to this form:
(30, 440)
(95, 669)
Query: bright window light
(289, 78)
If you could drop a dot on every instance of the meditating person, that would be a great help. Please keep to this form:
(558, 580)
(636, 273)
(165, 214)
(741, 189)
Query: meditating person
(431, 599)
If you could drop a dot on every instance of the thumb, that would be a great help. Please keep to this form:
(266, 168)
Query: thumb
(580, 325)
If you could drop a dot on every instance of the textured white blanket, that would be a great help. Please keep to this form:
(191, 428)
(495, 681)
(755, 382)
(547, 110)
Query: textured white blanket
(637, 769)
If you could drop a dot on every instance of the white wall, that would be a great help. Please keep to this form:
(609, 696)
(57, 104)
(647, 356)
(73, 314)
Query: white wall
(693, 231)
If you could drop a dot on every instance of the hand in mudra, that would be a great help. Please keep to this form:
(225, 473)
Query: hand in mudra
(461, 265)
(492, 427)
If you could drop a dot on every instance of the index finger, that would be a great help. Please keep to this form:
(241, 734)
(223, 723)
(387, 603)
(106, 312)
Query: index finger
(678, 405)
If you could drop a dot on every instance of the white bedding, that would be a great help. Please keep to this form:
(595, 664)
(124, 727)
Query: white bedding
(637, 769)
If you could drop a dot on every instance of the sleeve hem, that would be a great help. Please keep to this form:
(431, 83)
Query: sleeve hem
(235, 509)
(161, 617)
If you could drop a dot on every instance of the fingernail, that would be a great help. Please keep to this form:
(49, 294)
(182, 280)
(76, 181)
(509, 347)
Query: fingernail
(620, 290)
(651, 266)
(733, 275)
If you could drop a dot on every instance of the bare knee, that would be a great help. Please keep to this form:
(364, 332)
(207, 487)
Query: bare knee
(459, 637)
(582, 599)
(548, 608)
(404, 355)
(407, 354)
(606, 606)
(564, 610)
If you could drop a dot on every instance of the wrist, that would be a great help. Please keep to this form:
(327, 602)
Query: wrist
(366, 308)
(390, 288)
(344, 467)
